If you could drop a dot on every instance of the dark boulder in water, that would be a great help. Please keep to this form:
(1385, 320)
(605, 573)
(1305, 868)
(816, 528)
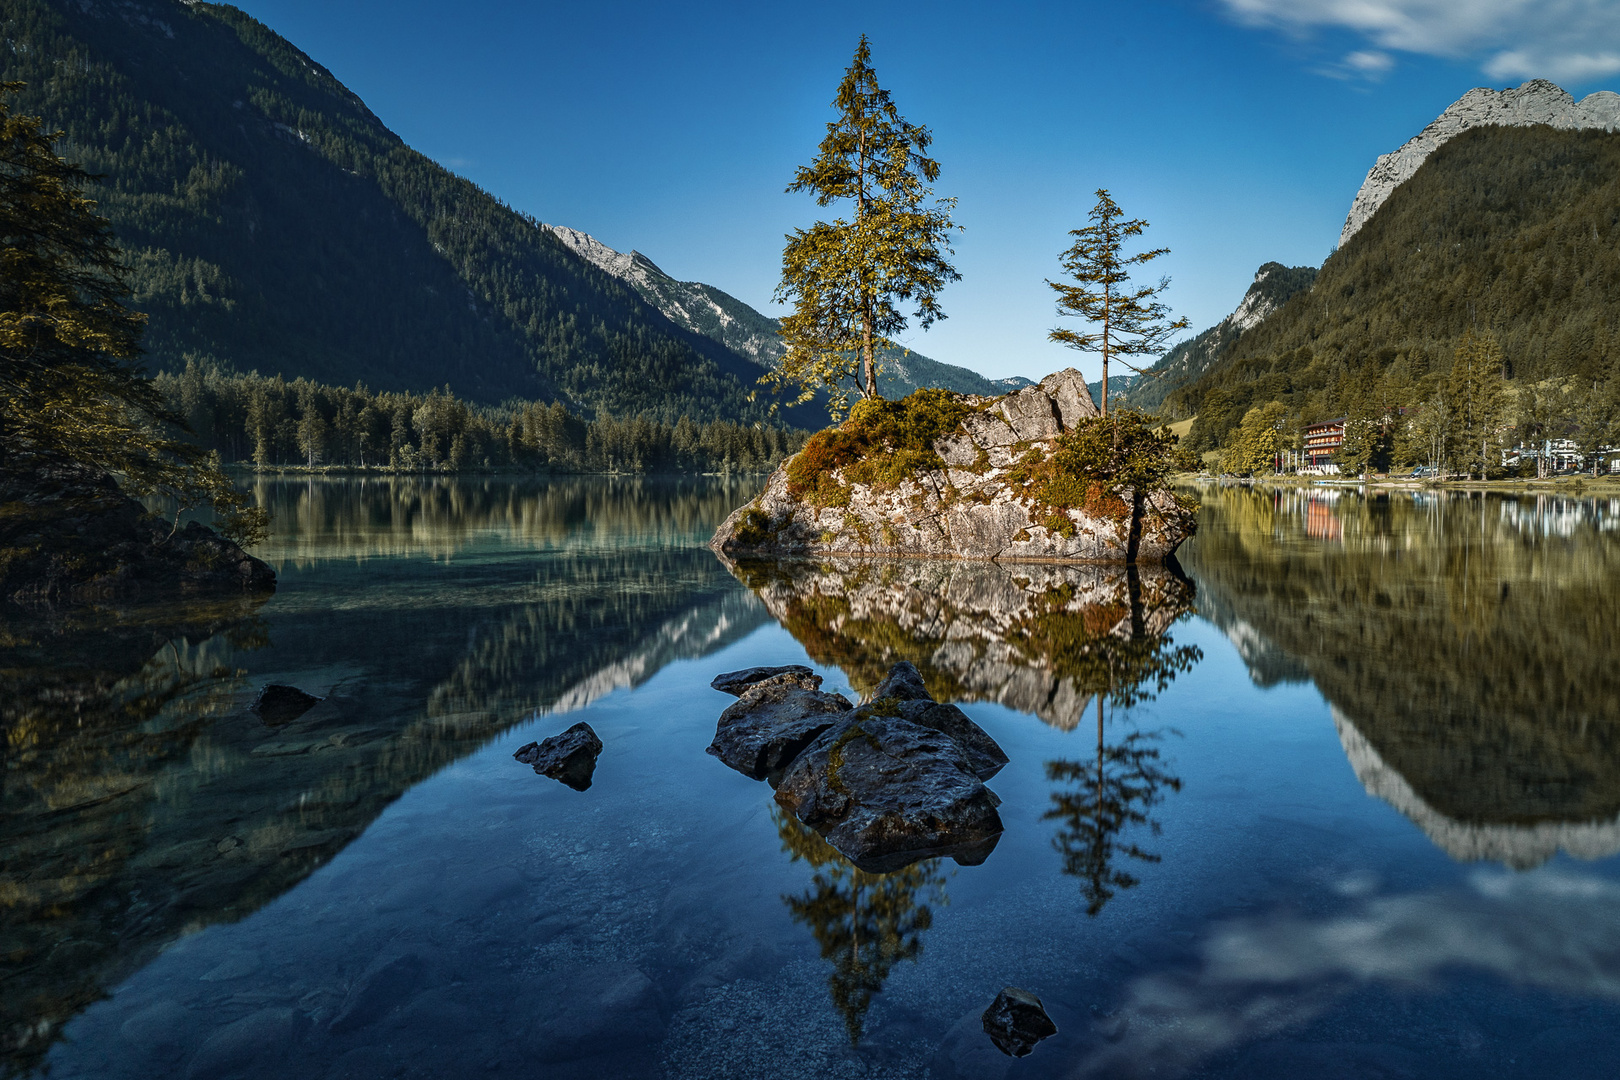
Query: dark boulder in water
(279, 704)
(1016, 1021)
(736, 682)
(569, 757)
(773, 721)
(69, 535)
(886, 792)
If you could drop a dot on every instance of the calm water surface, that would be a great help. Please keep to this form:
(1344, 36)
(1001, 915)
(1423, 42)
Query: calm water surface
(1345, 803)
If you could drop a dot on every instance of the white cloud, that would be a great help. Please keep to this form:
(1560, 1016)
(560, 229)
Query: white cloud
(1564, 40)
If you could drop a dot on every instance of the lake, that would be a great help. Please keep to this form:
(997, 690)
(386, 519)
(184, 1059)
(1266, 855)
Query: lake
(1341, 801)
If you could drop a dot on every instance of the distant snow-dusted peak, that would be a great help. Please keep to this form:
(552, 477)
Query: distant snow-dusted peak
(1536, 102)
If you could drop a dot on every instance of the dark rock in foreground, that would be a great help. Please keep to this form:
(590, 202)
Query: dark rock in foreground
(279, 704)
(735, 682)
(773, 721)
(887, 792)
(1016, 1021)
(569, 757)
(69, 535)
(984, 756)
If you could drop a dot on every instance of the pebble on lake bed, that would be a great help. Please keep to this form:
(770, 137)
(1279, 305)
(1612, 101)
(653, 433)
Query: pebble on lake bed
(569, 757)
(1016, 1021)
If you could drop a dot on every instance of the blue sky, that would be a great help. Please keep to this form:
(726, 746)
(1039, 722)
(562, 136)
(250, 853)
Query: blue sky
(1240, 129)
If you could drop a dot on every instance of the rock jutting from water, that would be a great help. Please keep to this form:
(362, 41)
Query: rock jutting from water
(69, 535)
(980, 485)
(569, 757)
(1016, 1021)
(898, 779)
(772, 721)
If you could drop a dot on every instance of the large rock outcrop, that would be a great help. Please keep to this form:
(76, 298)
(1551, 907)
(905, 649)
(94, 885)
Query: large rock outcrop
(972, 498)
(68, 534)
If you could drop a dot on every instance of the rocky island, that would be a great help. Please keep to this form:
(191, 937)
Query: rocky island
(1035, 475)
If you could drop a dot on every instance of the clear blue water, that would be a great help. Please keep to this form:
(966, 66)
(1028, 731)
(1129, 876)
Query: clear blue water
(1378, 839)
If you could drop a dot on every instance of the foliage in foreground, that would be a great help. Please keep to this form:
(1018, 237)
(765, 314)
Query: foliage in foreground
(72, 393)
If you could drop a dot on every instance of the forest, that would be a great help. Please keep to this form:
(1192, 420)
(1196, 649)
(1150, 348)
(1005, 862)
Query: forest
(1505, 232)
(270, 421)
(270, 221)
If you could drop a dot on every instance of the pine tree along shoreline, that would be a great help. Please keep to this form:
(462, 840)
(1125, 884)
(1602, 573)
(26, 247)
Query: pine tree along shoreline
(272, 423)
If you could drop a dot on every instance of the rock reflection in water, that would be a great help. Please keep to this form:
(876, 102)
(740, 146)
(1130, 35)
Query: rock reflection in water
(1464, 644)
(1023, 636)
(864, 923)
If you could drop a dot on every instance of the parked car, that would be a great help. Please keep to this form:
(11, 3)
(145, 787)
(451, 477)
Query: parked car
(1421, 470)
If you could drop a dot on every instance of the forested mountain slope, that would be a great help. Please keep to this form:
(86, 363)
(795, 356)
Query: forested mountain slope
(1510, 230)
(716, 314)
(273, 223)
(1274, 284)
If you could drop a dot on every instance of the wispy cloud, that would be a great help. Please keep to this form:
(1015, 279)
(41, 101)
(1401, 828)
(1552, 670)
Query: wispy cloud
(1565, 40)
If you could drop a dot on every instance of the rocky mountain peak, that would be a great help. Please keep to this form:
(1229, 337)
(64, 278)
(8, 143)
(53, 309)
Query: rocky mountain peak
(1535, 102)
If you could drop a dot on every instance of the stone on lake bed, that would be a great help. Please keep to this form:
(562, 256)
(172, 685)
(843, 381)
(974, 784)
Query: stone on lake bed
(569, 757)
(1016, 1021)
(887, 792)
(772, 721)
(735, 682)
(279, 704)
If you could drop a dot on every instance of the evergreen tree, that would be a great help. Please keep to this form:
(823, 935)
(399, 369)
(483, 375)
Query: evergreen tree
(848, 279)
(72, 393)
(1476, 399)
(1257, 441)
(1130, 320)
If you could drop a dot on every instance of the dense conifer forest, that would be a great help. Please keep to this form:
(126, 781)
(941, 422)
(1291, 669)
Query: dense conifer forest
(1506, 232)
(271, 421)
(271, 222)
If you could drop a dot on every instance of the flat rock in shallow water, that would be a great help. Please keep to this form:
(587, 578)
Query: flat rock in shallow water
(735, 682)
(772, 722)
(887, 792)
(569, 757)
(1016, 1021)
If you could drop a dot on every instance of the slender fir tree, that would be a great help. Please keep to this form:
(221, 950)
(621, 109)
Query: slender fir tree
(1129, 320)
(849, 279)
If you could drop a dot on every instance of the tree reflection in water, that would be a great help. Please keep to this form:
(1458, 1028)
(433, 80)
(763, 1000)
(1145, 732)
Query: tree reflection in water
(864, 923)
(1113, 792)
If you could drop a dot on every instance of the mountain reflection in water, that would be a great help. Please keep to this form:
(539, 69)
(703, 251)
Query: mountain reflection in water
(142, 799)
(1453, 637)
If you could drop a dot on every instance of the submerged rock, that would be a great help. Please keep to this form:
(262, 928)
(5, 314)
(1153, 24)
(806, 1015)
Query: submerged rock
(886, 792)
(735, 682)
(978, 495)
(1016, 1021)
(772, 721)
(569, 757)
(279, 704)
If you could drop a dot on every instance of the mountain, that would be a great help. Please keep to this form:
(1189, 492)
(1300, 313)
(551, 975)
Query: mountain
(272, 222)
(1274, 284)
(1535, 102)
(1506, 229)
(704, 309)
